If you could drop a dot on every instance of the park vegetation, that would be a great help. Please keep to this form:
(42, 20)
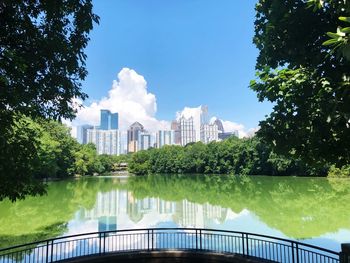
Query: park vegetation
(42, 64)
(303, 68)
(55, 154)
(248, 156)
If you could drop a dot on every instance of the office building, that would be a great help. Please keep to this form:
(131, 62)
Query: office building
(225, 135)
(175, 127)
(123, 142)
(82, 133)
(165, 138)
(187, 131)
(106, 141)
(218, 122)
(199, 116)
(209, 133)
(92, 135)
(133, 136)
(144, 141)
(109, 121)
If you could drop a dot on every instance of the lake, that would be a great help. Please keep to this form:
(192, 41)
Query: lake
(311, 210)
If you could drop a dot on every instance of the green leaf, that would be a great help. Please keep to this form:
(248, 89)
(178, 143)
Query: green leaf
(330, 42)
(345, 30)
(332, 35)
(345, 19)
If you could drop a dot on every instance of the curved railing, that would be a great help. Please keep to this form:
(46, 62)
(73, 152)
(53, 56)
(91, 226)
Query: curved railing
(157, 239)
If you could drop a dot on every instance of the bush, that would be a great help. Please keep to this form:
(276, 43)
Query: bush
(343, 172)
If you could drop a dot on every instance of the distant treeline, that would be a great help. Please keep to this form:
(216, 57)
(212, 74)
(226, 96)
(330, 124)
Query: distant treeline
(55, 153)
(231, 156)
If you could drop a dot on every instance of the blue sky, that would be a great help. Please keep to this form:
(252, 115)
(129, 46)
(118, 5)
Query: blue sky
(190, 52)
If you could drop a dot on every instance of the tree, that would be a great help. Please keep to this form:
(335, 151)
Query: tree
(42, 62)
(57, 148)
(86, 160)
(308, 83)
(20, 159)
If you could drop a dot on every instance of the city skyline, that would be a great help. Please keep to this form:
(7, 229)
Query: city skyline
(189, 127)
(129, 96)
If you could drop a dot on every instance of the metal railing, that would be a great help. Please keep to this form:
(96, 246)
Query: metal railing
(157, 239)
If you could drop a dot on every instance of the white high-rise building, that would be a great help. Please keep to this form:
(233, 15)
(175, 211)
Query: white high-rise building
(165, 138)
(187, 130)
(209, 133)
(92, 135)
(199, 116)
(106, 141)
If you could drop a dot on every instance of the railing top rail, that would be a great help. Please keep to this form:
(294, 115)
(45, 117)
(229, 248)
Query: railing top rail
(47, 241)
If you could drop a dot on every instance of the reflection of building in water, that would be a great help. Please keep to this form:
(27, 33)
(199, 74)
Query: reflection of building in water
(137, 208)
(213, 212)
(121, 203)
(107, 223)
(106, 205)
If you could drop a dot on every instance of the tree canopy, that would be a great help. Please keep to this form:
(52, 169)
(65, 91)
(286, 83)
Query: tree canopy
(42, 62)
(231, 156)
(306, 78)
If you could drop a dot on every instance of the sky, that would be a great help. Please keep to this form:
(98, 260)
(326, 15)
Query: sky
(151, 59)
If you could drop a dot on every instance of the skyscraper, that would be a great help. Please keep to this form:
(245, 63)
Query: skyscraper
(106, 141)
(108, 121)
(165, 138)
(200, 117)
(143, 141)
(218, 122)
(187, 131)
(82, 133)
(209, 133)
(133, 136)
(175, 127)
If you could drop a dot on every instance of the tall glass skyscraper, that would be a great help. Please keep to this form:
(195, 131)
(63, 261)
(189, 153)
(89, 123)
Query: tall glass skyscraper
(109, 121)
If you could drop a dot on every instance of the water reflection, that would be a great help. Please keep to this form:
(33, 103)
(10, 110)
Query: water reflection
(119, 209)
(314, 210)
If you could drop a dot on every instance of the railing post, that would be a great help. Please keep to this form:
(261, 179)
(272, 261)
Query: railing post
(47, 251)
(152, 232)
(297, 251)
(104, 242)
(51, 250)
(344, 256)
(243, 250)
(246, 240)
(99, 243)
(200, 239)
(196, 240)
(148, 239)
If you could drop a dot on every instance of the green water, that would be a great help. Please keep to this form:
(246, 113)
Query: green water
(313, 210)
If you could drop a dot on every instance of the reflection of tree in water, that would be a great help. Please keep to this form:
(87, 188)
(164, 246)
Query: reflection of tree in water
(299, 207)
(37, 218)
(45, 233)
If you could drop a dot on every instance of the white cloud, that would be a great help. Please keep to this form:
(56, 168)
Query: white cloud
(188, 112)
(230, 126)
(130, 98)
